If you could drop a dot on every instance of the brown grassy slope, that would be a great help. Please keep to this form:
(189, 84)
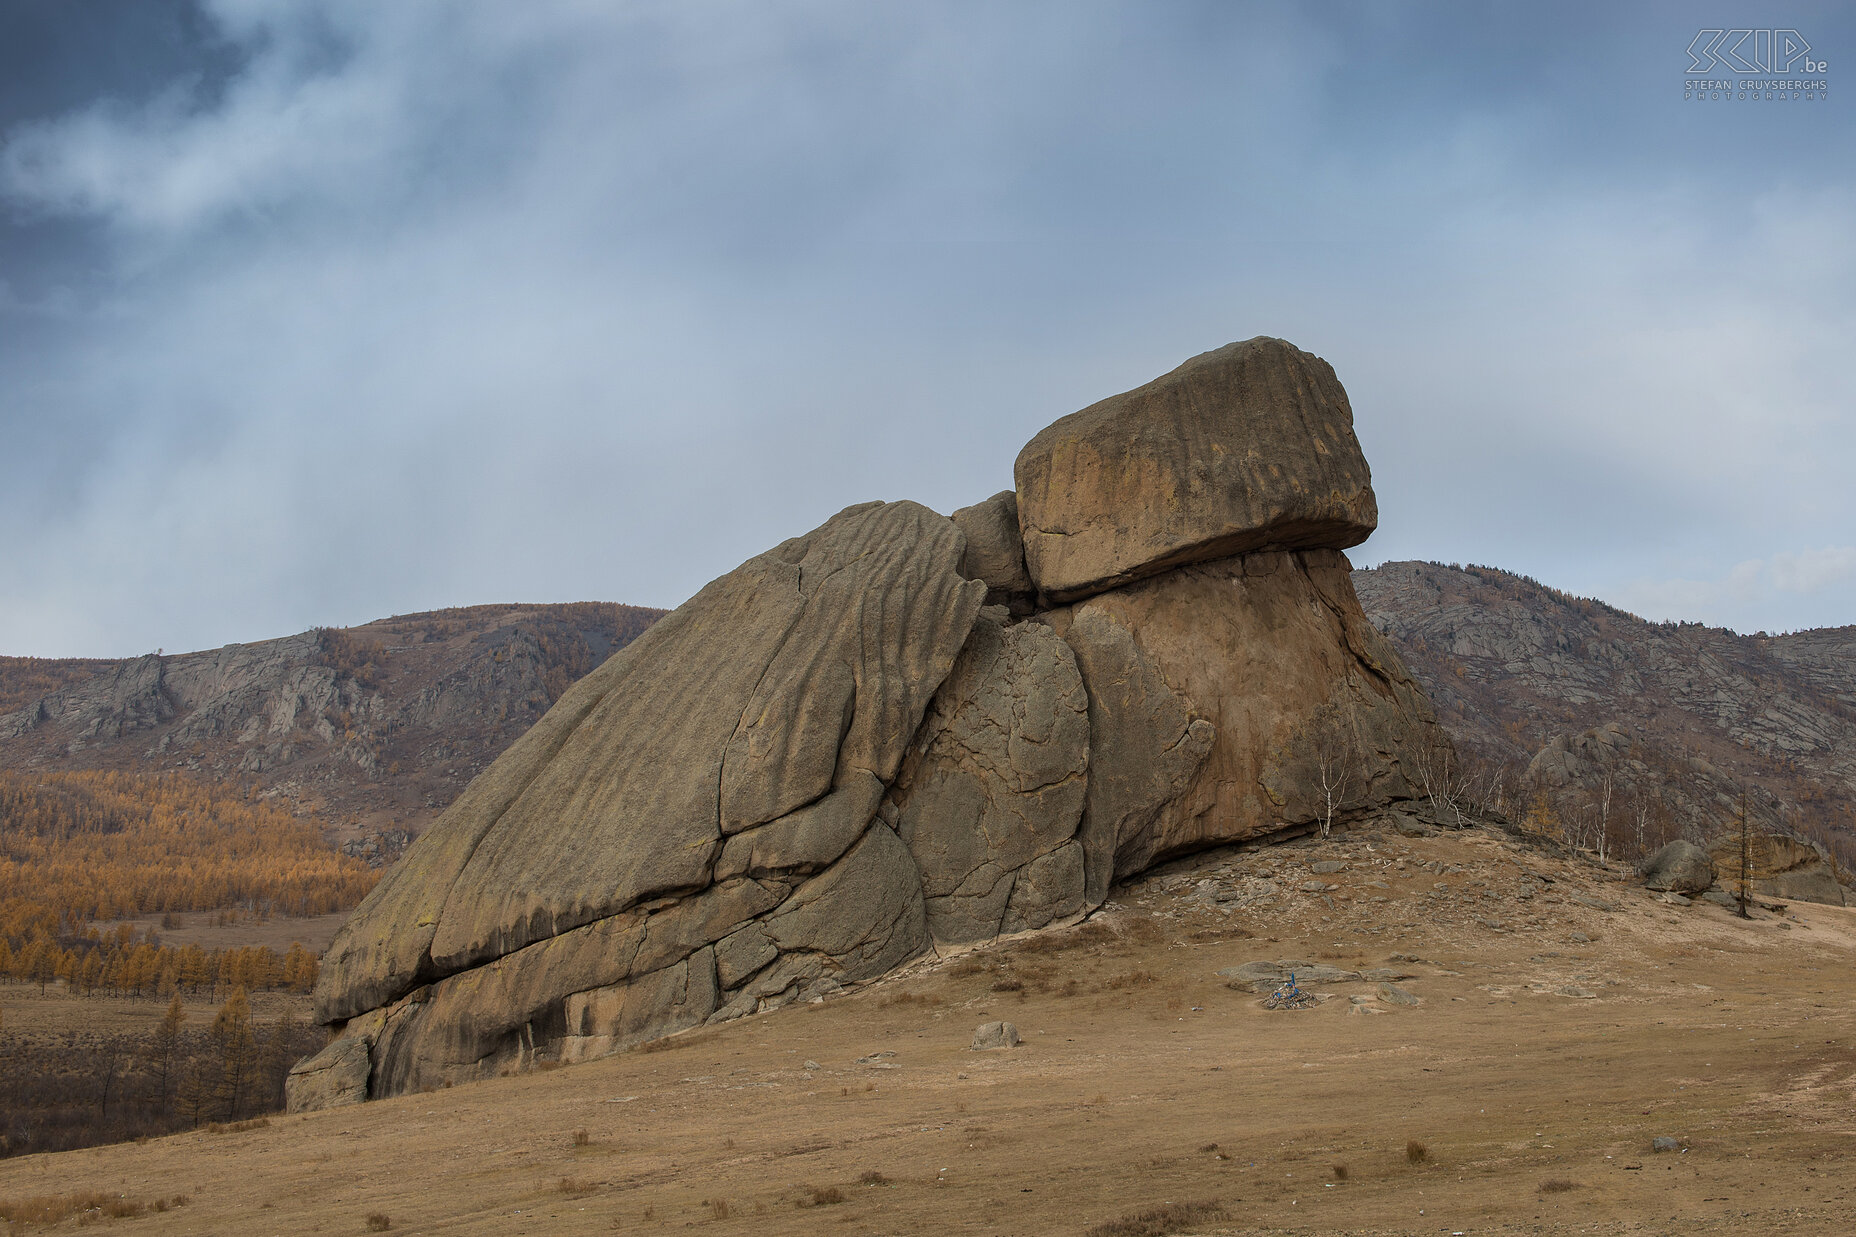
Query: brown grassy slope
(375, 727)
(1536, 1059)
(1511, 664)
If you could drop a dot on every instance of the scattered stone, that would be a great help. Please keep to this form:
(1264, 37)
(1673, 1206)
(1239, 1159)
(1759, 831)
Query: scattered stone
(331, 1078)
(1575, 991)
(1679, 867)
(1387, 974)
(1720, 897)
(1327, 867)
(1411, 827)
(1314, 886)
(1597, 904)
(1580, 938)
(875, 1058)
(1392, 994)
(1665, 1144)
(811, 1065)
(995, 1035)
(1268, 976)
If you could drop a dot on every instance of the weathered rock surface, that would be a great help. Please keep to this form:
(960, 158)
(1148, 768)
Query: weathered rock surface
(989, 803)
(1245, 448)
(995, 1035)
(1256, 646)
(335, 1076)
(1146, 742)
(1780, 866)
(688, 786)
(996, 552)
(1679, 867)
(837, 756)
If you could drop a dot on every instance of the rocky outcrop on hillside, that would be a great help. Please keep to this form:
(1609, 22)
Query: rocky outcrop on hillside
(1657, 729)
(896, 733)
(375, 728)
(1778, 866)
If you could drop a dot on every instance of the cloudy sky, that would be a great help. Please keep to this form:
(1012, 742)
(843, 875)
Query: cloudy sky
(314, 312)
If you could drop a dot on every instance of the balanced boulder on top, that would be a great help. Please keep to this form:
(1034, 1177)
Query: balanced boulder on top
(1245, 448)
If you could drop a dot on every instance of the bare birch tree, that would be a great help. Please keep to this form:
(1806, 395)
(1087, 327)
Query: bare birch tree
(1334, 761)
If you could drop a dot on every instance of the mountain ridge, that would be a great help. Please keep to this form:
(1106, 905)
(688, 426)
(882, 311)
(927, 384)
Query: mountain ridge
(1515, 667)
(376, 728)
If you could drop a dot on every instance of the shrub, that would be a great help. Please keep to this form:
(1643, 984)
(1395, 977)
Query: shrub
(912, 998)
(820, 1196)
(1133, 979)
(52, 1208)
(377, 1222)
(1160, 1221)
(1416, 1152)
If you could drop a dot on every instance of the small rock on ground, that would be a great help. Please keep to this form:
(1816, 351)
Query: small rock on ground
(995, 1035)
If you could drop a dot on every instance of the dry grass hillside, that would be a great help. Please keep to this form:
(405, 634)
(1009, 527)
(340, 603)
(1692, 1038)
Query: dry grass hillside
(375, 728)
(1564, 1019)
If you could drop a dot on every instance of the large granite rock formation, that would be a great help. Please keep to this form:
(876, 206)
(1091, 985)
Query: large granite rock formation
(1778, 865)
(839, 756)
(1245, 448)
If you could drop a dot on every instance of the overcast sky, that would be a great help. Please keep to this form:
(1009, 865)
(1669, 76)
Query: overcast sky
(315, 312)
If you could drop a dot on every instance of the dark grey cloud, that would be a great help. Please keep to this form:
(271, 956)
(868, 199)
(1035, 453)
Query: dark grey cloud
(315, 312)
